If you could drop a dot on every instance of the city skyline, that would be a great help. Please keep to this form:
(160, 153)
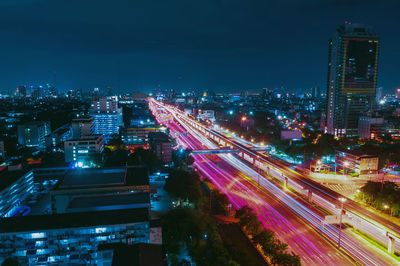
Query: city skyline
(222, 46)
(214, 132)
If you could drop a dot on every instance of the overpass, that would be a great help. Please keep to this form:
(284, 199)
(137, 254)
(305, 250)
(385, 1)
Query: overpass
(367, 221)
(226, 150)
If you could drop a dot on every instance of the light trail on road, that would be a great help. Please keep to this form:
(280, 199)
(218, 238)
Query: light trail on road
(296, 224)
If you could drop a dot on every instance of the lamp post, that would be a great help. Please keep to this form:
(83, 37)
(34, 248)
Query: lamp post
(346, 164)
(387, 207)
(382, 182)
(342, 200)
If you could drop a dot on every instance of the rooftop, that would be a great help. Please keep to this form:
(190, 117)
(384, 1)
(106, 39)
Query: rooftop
(357, 29)
(358, 153)
(82, 119)
(105, 177)
(73, 220)
(86, 138)
(93, 177)
(158, 136)
(9, 177)
(138, 254)
(109, 201)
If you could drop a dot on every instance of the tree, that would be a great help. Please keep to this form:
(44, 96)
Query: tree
(144, 157)
(185, 228)
(379, 195)
(285, 258)
(117, 142)
(183, 185)
(221, 199)
(181, 157)
(265, 237)
(11, 261)
(248, 219)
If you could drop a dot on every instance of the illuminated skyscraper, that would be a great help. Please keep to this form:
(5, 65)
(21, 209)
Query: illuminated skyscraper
(107, 116)
(20, 91)
(352, 75)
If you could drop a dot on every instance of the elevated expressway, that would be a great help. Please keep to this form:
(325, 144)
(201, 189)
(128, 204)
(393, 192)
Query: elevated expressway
(374, 225)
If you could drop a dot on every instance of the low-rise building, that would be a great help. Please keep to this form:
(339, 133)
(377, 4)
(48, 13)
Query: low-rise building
(370, 127)
(161, 145)
(80, 150)
(207, 115)
(356, 161)
(33, 134)
(89, 208)
(291, 135)
(58, 136)
(15, 187)
(70, 238)
(137, 134)
(82, 127)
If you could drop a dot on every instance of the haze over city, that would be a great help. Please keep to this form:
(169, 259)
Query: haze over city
(217, 45)
(201, 133)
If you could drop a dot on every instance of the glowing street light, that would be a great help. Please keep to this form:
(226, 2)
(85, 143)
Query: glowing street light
(387, 207)
(244, 118)
(342, 200)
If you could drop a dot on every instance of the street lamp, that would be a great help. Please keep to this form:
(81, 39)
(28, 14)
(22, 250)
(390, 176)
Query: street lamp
(342, 200)
(387, 207)
(346, 164)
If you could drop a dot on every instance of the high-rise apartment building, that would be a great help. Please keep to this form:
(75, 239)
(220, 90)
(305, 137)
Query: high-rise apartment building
(82, 127)
(20, 91)
(107, 116)
(352, 77)
(397, 93)
(33, 134)
(379, 94)
(315, 92)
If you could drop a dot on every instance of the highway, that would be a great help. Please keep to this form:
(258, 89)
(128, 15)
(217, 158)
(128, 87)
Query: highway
(367, 221)
(294, 221)
(308, 244)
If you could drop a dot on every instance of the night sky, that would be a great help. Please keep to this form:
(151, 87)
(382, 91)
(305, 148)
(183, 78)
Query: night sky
(222, 45)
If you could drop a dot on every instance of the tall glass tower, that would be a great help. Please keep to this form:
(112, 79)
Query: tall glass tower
(352, 74)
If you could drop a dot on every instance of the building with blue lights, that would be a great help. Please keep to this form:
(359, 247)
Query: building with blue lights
(81, 150)
(83, 126)
(33, 134)
(70, 238)
(161, 145)
(107, 124)
(15, 187)
(107, 116)
(59, 135)
(89, 208)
